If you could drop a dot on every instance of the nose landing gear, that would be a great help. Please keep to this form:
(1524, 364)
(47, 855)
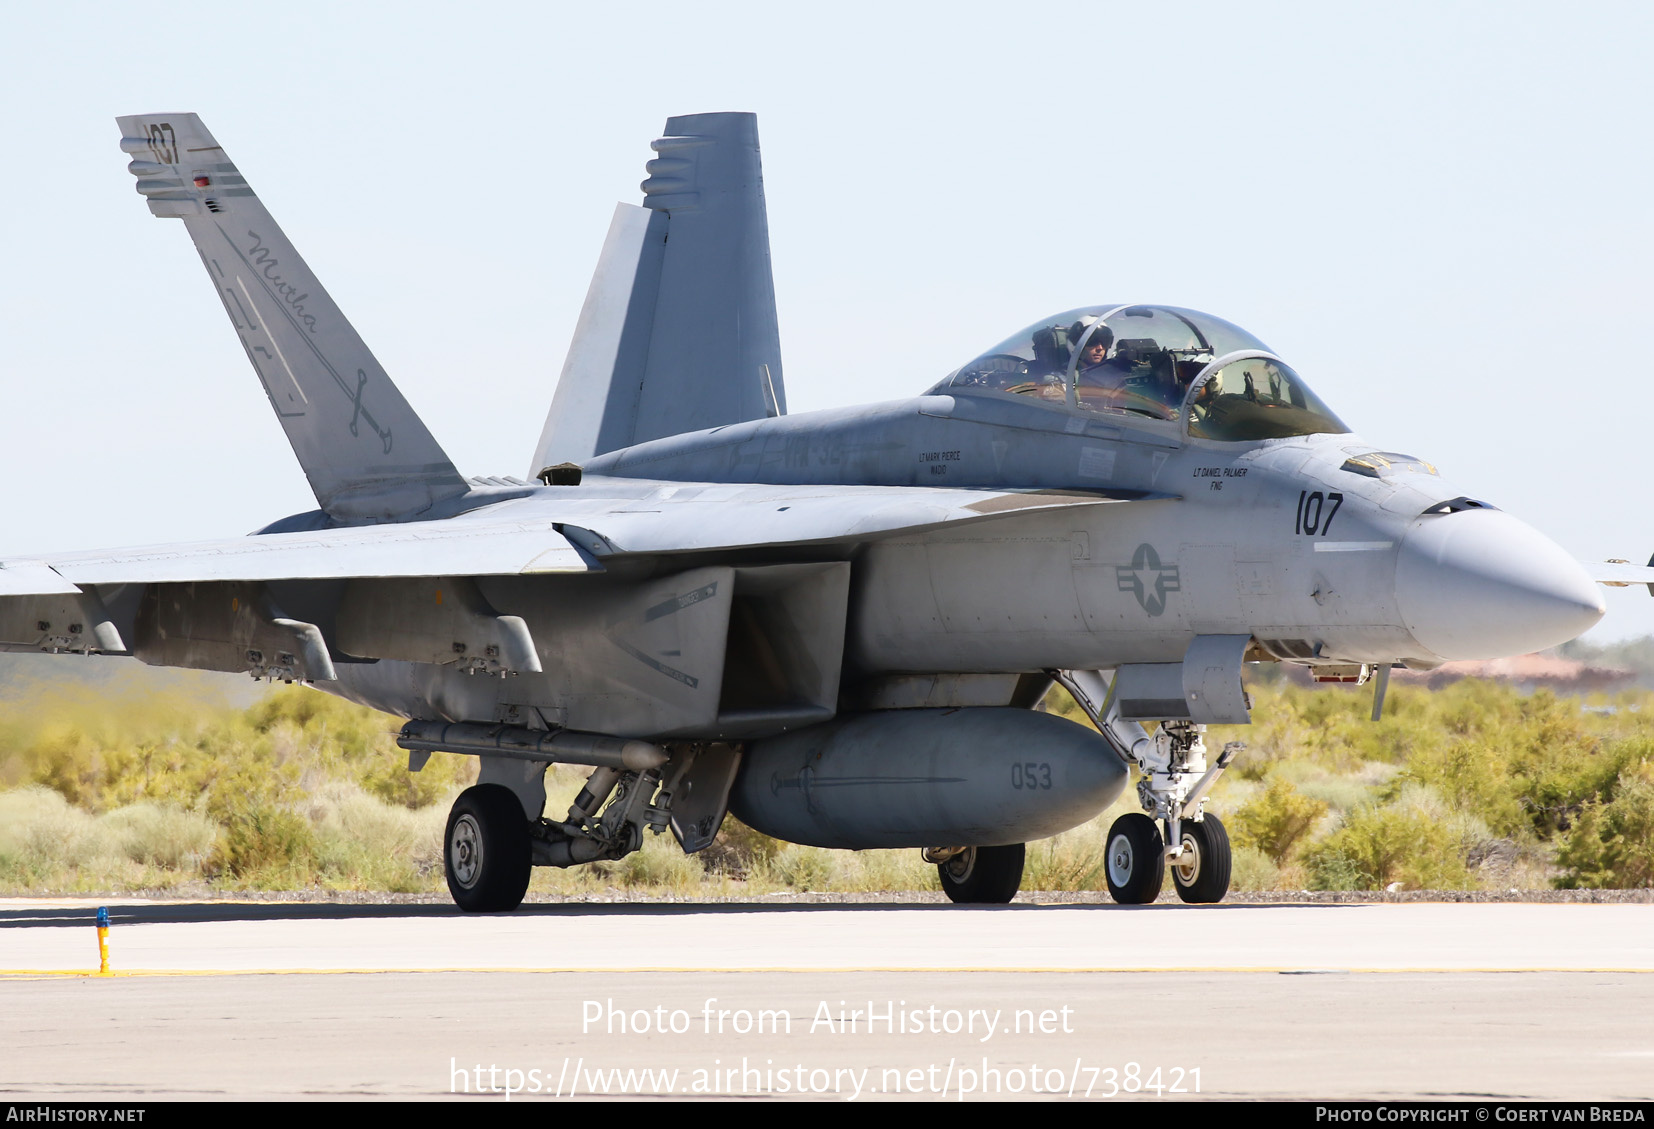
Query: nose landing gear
(1176, 831)
(1138, 859)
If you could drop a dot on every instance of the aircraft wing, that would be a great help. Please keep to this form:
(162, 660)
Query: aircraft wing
(534, 536)
(437, 548)
(32, 578)
(680, 519)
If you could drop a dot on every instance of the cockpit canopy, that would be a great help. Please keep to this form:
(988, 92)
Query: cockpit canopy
(1153, 362)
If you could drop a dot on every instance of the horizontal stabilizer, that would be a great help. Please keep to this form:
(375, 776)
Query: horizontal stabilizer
(678, 332)
(1620, 574)
(368, 456)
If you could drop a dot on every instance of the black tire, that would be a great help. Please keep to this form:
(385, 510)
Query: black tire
(1135, 864)
(1206, 877)
(983, 875)
(486, 851)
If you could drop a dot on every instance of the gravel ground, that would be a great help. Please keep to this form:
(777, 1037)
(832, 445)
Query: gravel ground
(894, 897)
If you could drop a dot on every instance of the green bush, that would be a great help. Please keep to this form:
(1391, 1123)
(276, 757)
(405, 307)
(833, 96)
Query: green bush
(1277, 820)
(364, 843)
(46, 842)
(659, 863)
(1611, 845)
(1377, 846)
(162, 835)
(802, 868)
(1251, 869)
(267, 846)
(738, 849)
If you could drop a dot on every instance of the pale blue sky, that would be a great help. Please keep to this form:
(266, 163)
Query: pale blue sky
(1438, 213)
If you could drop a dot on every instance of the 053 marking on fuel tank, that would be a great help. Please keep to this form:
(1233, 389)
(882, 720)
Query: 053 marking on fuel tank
(1030, 774)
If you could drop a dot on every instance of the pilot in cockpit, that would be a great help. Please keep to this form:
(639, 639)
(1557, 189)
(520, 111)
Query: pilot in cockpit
(1094, 354)
(1098, 377)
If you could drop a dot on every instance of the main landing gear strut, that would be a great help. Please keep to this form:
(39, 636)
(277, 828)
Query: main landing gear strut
(491, 844)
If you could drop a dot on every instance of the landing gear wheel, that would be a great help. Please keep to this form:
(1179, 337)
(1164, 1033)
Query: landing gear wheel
(1136, 860)
(983, 875)
(486, 850)
(1202, 875)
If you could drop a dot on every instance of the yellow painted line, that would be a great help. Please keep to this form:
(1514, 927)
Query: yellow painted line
(35, 973)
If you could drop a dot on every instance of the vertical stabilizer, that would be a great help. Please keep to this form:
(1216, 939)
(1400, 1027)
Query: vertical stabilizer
(367, 454)
(678, 332)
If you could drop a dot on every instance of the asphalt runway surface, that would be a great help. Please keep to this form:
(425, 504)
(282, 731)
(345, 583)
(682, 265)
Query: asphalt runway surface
(1388, 1002)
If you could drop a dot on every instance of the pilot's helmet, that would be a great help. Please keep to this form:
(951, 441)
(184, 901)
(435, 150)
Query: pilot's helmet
(1102, 335)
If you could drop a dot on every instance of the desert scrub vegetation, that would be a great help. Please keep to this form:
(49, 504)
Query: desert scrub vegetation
(1611, 843)
(132, 787)
(1276, 820)
(161, 785)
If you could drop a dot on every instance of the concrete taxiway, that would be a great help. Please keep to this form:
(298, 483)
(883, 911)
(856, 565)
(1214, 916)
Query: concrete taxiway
(1337, 1001)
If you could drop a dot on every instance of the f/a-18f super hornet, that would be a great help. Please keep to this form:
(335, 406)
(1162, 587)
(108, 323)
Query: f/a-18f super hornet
(834, 624)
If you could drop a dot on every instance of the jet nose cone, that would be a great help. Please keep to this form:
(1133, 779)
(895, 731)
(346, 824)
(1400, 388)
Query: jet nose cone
(1481, 585)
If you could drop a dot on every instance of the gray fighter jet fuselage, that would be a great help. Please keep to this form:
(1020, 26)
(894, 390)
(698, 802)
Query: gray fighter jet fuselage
(1322, 548)
(1318, 541)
